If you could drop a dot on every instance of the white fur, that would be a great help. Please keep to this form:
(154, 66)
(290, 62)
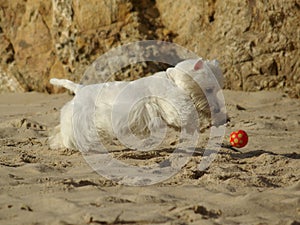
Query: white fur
(95, 104)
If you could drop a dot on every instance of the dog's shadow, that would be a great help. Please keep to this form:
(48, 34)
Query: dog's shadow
(225, 150)
(256, 153)
(237, 154)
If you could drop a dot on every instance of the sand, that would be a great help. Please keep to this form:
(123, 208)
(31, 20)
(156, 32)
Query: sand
(258, 185)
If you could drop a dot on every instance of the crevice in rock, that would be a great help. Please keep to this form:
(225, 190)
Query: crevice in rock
(10, 54)
(150, 22)
(212, 11)
(211, 17)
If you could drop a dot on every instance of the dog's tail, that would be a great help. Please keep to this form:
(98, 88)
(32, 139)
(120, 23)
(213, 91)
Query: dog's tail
(66, 84)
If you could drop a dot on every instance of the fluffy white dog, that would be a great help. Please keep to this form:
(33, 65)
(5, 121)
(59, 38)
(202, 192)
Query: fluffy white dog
(127, 110)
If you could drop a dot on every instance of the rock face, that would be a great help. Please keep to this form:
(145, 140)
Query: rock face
(257, 41)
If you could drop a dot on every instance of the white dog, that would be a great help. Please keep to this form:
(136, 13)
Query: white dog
(120, 110)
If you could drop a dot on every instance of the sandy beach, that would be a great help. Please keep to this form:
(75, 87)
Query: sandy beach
(92, 41)
(258, 185)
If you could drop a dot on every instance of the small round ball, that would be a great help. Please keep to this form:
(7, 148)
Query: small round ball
(238, 139)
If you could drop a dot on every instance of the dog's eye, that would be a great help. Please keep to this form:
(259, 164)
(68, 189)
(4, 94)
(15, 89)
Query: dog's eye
(209, 90)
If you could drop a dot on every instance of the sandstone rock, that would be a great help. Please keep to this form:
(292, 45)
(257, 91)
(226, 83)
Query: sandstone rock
(256, 41)
(44, 39)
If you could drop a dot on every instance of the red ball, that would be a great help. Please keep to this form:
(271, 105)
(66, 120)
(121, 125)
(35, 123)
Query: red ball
(238, 139)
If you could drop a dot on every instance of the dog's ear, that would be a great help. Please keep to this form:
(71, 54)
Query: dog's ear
(216, 63)
(171, 72)
(198, 65)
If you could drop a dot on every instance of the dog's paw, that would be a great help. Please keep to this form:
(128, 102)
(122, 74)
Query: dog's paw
(55, 139)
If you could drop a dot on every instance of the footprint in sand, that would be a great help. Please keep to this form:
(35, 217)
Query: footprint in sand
(28, 124)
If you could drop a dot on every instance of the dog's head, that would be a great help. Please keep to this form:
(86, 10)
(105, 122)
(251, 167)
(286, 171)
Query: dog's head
(202, 80)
